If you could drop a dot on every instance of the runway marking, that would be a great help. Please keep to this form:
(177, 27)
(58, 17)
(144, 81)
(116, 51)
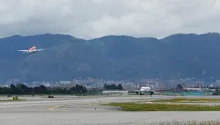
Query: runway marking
(55, 107)
(52, 108)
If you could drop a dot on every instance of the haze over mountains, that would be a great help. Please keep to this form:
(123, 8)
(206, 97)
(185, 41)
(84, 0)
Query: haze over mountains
(111, 57)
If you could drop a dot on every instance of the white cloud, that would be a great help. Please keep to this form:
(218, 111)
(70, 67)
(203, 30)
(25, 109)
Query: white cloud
(95, 18)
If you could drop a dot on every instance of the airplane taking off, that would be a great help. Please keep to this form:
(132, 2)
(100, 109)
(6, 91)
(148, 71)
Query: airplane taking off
(31, 50)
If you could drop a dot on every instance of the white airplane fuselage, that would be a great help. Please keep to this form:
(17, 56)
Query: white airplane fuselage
(32, 50)
(145, 90)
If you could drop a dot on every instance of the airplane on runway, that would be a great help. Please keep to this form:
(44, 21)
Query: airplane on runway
(33, 49)
(144, 90)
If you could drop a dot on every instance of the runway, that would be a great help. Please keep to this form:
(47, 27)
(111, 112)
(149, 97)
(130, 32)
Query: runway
(87, 111)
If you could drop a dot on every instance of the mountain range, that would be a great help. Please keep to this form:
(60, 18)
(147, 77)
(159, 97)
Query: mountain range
(110, 57)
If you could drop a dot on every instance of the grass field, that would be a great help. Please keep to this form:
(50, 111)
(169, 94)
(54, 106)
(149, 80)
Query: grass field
(186, 100)
(188, 123)
(164, 107)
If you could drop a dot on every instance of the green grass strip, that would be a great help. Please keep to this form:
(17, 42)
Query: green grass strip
(164, 107)
(188, 123)
(185, 100)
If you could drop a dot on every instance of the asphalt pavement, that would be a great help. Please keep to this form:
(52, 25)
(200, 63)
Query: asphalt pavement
(87, 111)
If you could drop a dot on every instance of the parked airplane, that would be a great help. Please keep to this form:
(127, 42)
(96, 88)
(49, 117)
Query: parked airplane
(31, 50)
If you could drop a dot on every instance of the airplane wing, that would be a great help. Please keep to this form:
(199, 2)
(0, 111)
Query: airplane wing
(23, 50)
(39, 49)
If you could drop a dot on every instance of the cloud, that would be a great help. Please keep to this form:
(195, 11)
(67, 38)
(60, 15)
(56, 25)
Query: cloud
(95, 18)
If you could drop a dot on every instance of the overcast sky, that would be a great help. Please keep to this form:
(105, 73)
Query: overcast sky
(95, 18)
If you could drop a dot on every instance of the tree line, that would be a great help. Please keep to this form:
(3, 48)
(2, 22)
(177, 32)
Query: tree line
(113, 87)
(22, 89)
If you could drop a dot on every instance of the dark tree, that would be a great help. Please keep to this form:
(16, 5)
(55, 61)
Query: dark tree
(119, 87)
(22, 89)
